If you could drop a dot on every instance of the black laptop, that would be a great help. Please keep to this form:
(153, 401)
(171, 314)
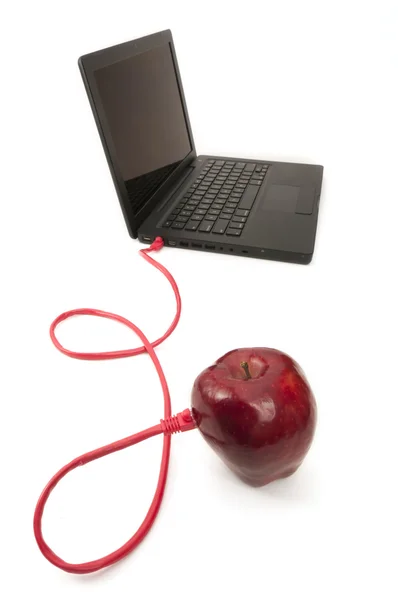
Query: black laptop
(256, 208)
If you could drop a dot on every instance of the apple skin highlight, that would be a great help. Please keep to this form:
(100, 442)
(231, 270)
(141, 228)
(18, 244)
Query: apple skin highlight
(255, 408)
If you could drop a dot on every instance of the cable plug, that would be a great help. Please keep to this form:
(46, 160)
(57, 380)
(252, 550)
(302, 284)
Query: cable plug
(182, 421)
(156, 245)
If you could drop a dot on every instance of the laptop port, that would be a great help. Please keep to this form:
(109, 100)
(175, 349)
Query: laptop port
(147, 239)
(171, 243)
(184, 244)
(210, 247)
(195, 245)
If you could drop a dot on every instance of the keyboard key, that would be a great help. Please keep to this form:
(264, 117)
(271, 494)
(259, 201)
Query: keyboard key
(181, 219)
(239, 219)
(240, 186)
(258, 168)
(222, 196)
(211, 162)
(229, 163)
(236, 195)
(192, 204)
(235, 232)
(167, 223)
(242, 213)
(236, 225)
(211, 217)
(213, 211)
(217, 206)
(185, 213)
(196, 217)
(240, 165)
(210, 196)
(192, 225)
(232, 204)
(178, 225)
(196, 197)
(248, 197)
(225, 216)
(228, 211)
(254, 182)
(204, 205)
(228, 186)
(206, 226)
(258, 177)
(175, 213)
(220, 226)
(200, 211)
(180, 205)
(220, 162)
(250, 167)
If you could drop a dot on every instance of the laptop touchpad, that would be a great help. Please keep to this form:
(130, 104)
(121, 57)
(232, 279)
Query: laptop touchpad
(282, 197)
(290, 198)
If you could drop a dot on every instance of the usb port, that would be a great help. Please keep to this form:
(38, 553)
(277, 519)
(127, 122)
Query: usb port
(147, 239)
(210, 247)
(184, 244)
(195, 245)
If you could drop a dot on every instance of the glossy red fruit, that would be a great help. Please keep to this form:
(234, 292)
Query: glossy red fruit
(255, 408)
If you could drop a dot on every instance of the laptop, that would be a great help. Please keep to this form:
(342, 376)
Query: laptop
(256, 208)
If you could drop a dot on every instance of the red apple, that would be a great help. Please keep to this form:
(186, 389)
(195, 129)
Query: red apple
(255, 408)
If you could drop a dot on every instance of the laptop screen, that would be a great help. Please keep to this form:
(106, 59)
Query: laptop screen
(142, 104)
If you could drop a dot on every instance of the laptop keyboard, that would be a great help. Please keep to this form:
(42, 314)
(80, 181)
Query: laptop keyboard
(220, 199)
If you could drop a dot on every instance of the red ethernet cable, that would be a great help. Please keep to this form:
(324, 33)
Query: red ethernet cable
(183, 421)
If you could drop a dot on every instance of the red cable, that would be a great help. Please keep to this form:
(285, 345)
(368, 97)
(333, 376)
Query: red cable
(181, 422)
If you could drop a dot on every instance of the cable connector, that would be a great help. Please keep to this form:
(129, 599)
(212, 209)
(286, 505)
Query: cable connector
(156, 245)
(182, 421)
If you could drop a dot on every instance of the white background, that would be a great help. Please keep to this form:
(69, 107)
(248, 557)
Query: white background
(300, 81)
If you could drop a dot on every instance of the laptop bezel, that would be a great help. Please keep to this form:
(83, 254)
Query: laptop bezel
(90, 63)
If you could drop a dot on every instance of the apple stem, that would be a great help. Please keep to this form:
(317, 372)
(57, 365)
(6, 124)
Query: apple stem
(245, 367)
